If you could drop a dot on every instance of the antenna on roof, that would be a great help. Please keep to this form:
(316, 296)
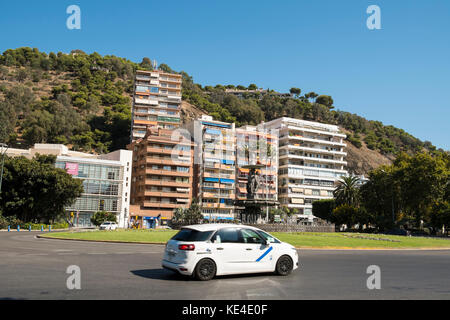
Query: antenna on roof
(155, 65)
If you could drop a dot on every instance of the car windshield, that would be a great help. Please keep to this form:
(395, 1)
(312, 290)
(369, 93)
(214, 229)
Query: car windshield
(191, 235)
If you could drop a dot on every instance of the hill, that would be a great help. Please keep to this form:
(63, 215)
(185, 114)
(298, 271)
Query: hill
(84, 101)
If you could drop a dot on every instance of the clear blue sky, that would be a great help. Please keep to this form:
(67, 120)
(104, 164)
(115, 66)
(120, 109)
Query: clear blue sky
(399, 75)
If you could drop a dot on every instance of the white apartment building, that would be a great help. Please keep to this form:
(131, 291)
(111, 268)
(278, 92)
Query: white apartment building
(106, 180)
(311, 161)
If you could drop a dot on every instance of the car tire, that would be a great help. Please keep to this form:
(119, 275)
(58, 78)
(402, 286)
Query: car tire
(205, 270)
(284, 266)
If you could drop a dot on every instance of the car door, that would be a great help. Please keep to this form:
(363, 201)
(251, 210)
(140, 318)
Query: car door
(228, 251)
(258, 255)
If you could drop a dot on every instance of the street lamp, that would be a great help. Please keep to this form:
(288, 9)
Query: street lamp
(3, 149)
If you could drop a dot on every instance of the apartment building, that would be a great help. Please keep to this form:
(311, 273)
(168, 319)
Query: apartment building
(214, 166)
(311, 161)
(257, 146)
(156, 102)
(106, 180)
(162, 175)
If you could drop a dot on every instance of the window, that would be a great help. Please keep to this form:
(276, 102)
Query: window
(268, 237)
(226, 235)
(250, 236)
(191, 235)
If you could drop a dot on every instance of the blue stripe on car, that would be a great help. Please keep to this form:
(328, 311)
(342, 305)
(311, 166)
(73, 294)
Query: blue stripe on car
(264, 254)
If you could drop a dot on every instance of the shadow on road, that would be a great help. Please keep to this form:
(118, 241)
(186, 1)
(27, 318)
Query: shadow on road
(163, 274)
(160, 274)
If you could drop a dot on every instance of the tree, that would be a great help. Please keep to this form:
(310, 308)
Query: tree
(179, 214)
(344, 215)
(295, 91)
(422, 181)
(252, 86)
(35, 191)
(380, 197)
(193, 215)
(325, 100)
(311, 95)
(22, 75)
(146, 64)
(347, 192)
(323, 209)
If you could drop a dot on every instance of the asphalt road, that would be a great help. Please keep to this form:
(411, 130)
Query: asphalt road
(32, 268)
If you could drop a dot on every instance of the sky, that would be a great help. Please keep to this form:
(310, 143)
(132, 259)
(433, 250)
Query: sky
(399, 74)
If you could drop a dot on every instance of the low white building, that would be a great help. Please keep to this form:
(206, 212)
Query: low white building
(106, 180)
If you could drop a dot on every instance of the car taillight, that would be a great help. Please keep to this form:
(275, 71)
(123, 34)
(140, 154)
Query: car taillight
(186, 247)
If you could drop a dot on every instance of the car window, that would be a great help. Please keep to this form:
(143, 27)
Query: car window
(250, 236)
(268, 237)
(192, 235)
(226, 235)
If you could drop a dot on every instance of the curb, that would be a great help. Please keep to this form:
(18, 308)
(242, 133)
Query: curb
(301, 248)
(26, 230)
(40, 236)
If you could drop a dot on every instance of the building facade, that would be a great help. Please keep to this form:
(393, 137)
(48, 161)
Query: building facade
(156, 102)
(255, 145)
(214, 166)
(311, 161)
(162, 175)
(106, 180)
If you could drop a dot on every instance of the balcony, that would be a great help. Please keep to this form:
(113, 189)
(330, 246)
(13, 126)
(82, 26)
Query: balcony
(163, 183)
(173, 194)
(161, 205)
(167, 173)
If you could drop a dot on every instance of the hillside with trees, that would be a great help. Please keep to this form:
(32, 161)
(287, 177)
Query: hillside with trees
(84, 101)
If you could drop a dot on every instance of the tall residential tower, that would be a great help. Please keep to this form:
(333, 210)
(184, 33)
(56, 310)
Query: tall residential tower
(156, 102)
(311, 161)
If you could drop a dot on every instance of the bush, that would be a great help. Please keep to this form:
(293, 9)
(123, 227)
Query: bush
(37, 226)
(11, 221)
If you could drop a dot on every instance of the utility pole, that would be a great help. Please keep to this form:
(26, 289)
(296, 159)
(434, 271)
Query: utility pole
(3, 149)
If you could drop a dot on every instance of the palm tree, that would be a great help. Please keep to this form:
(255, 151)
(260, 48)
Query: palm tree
(347, 192)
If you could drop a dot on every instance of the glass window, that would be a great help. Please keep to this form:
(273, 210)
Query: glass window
(226, 235)
(268, 237)
(250, 236)
(191, 235)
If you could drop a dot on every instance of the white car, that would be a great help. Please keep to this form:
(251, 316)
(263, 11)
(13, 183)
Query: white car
(108, 226)
(207, 250)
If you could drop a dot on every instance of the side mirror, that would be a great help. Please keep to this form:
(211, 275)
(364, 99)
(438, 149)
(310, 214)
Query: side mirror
(267, 242)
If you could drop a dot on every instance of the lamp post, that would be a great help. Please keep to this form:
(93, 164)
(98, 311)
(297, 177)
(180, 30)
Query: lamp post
(3, 149)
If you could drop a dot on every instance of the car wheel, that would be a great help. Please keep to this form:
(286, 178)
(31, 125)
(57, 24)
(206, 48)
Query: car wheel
(284, 265)
(205, 270)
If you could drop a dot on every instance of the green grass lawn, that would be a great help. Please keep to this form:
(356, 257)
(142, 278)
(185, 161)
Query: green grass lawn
(301, 239)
